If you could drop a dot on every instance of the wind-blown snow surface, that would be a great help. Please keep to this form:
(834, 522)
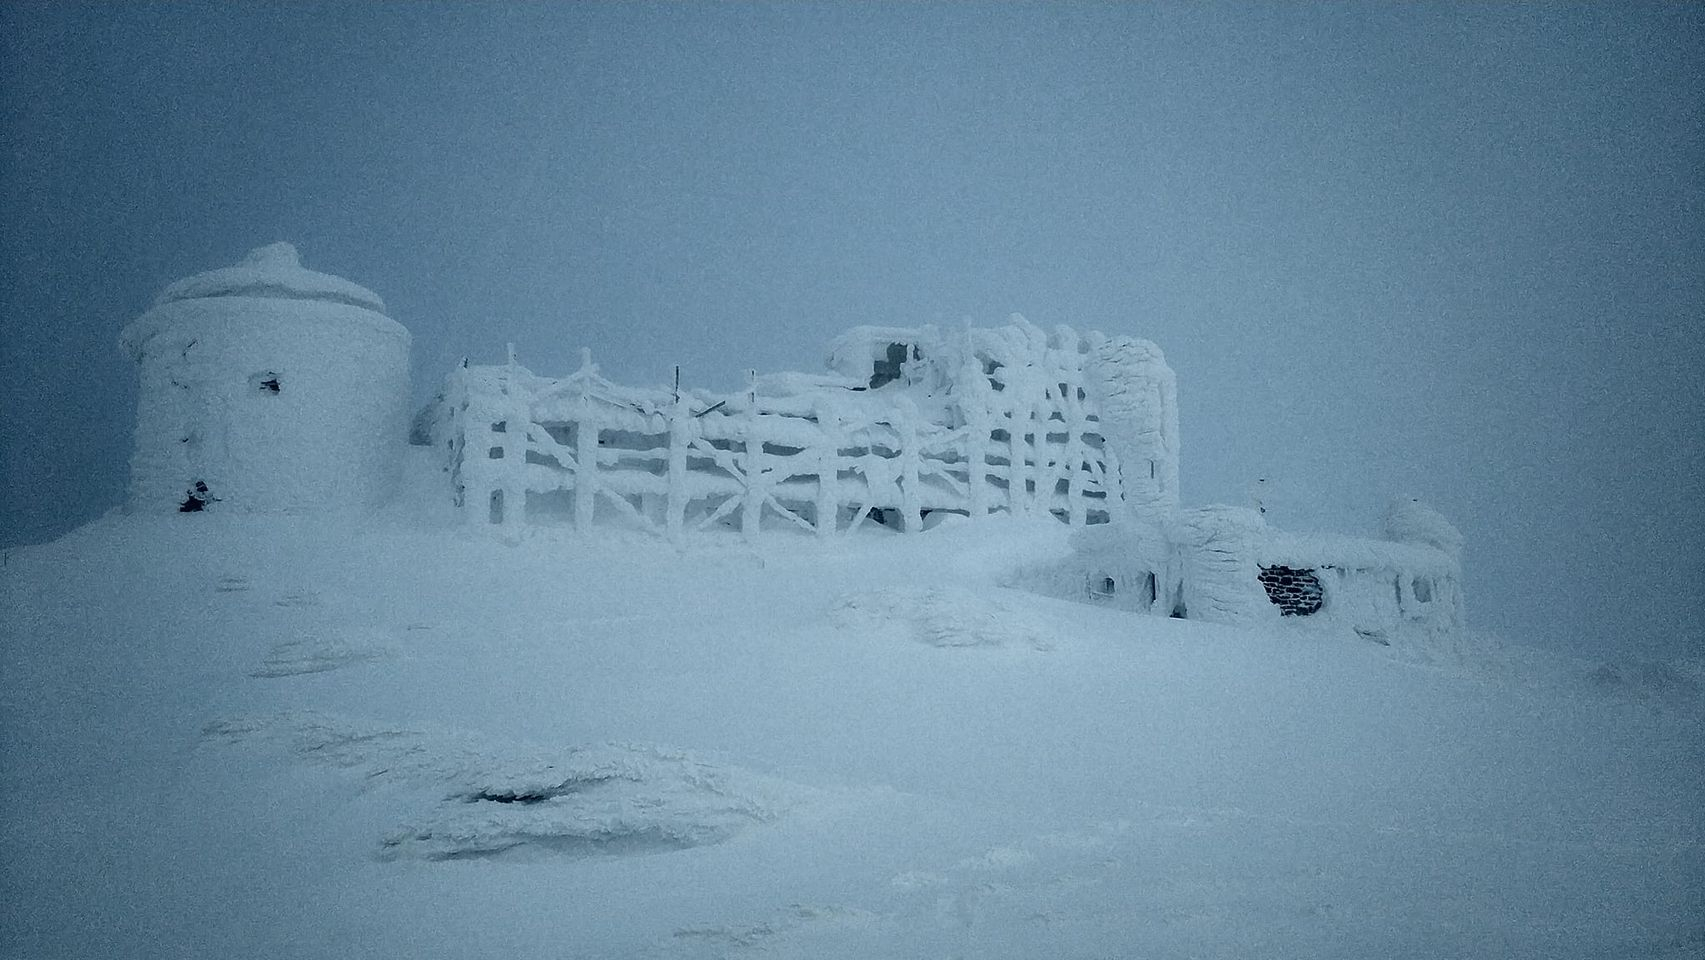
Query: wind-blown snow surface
(248, 737)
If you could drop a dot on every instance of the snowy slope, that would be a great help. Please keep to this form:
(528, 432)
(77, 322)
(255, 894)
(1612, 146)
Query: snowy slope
(246, 737)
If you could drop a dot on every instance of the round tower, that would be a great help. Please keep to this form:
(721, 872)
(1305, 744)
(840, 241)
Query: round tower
(267, 387)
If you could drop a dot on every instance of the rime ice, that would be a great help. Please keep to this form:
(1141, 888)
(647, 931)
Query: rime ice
(267, 387)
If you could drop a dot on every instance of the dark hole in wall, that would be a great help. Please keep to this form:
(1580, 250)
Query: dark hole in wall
(1296, 592)
(197, 500)
(265, 382)
(888, 369)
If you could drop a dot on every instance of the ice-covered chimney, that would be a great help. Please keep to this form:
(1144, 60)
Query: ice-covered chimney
(1137, 395)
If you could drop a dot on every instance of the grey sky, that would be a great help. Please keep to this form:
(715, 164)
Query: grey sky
(1447, 251)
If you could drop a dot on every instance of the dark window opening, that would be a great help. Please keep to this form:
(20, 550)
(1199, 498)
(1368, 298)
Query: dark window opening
(198, 499)
(1297, 593)
(889, 369)
(264, 382)
(1423, 590)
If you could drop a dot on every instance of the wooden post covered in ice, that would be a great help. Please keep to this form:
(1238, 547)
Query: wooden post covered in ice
(585, 449)
(828, 467)
(906, 424)
(975, 406)
(680, 435)
(511, 445)
(751, 512)
(1074, 457)
(1018, 473)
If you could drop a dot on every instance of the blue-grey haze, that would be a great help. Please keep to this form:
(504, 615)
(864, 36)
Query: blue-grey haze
(1448, 251)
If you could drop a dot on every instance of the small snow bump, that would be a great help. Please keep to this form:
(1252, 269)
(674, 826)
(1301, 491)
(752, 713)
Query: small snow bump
(274, 256)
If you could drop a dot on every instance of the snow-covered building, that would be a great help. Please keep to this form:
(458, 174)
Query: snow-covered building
(267, 387)
(1225, 564)
(909, 424)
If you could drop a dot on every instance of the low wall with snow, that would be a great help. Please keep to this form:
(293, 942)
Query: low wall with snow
(1225, 565)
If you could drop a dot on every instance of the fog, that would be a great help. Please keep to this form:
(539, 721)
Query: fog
(1452, 253)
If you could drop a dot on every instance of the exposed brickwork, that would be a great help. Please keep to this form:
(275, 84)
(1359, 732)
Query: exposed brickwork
(1295, 592)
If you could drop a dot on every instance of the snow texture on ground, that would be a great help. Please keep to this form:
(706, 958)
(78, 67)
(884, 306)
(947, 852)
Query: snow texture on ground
(233, 737)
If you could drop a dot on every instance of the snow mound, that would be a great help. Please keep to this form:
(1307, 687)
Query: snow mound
(944, 617)
(1469, 654)
(475, 802)
(274, 271)
(318, 653)
(765, 937)
(1411, 521)
(1678, 682)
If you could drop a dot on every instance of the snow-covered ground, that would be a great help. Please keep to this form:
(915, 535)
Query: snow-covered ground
(230, 737)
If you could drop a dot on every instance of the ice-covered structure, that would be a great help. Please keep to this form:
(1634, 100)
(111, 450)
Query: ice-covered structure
(1225, 564)
(267, 387)
(912, 423)
(908, 424)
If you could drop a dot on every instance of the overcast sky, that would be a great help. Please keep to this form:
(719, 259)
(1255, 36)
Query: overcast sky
(1449, 252)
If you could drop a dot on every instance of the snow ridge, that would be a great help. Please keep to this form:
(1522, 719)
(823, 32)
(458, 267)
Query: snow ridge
(944, 617)
(477, 802)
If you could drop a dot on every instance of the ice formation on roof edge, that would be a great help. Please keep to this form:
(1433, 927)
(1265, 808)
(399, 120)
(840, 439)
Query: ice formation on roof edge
(273, 271)
(266, 387)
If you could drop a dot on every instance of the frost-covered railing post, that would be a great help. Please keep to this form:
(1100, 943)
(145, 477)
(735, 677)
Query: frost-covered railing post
(585, 446)
(681, 424)
(751, 464)
(1070, 380)
(828, 505)
(512, 446)
(975, 407)
(1018, 452)
(906, 425)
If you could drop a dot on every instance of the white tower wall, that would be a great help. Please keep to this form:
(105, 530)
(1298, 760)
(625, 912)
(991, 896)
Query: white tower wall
(278, 388)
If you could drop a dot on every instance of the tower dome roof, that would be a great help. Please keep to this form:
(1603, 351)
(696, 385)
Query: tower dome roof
(272, 272)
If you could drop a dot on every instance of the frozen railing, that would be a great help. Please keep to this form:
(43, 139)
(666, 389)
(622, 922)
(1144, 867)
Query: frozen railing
(522, 448)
